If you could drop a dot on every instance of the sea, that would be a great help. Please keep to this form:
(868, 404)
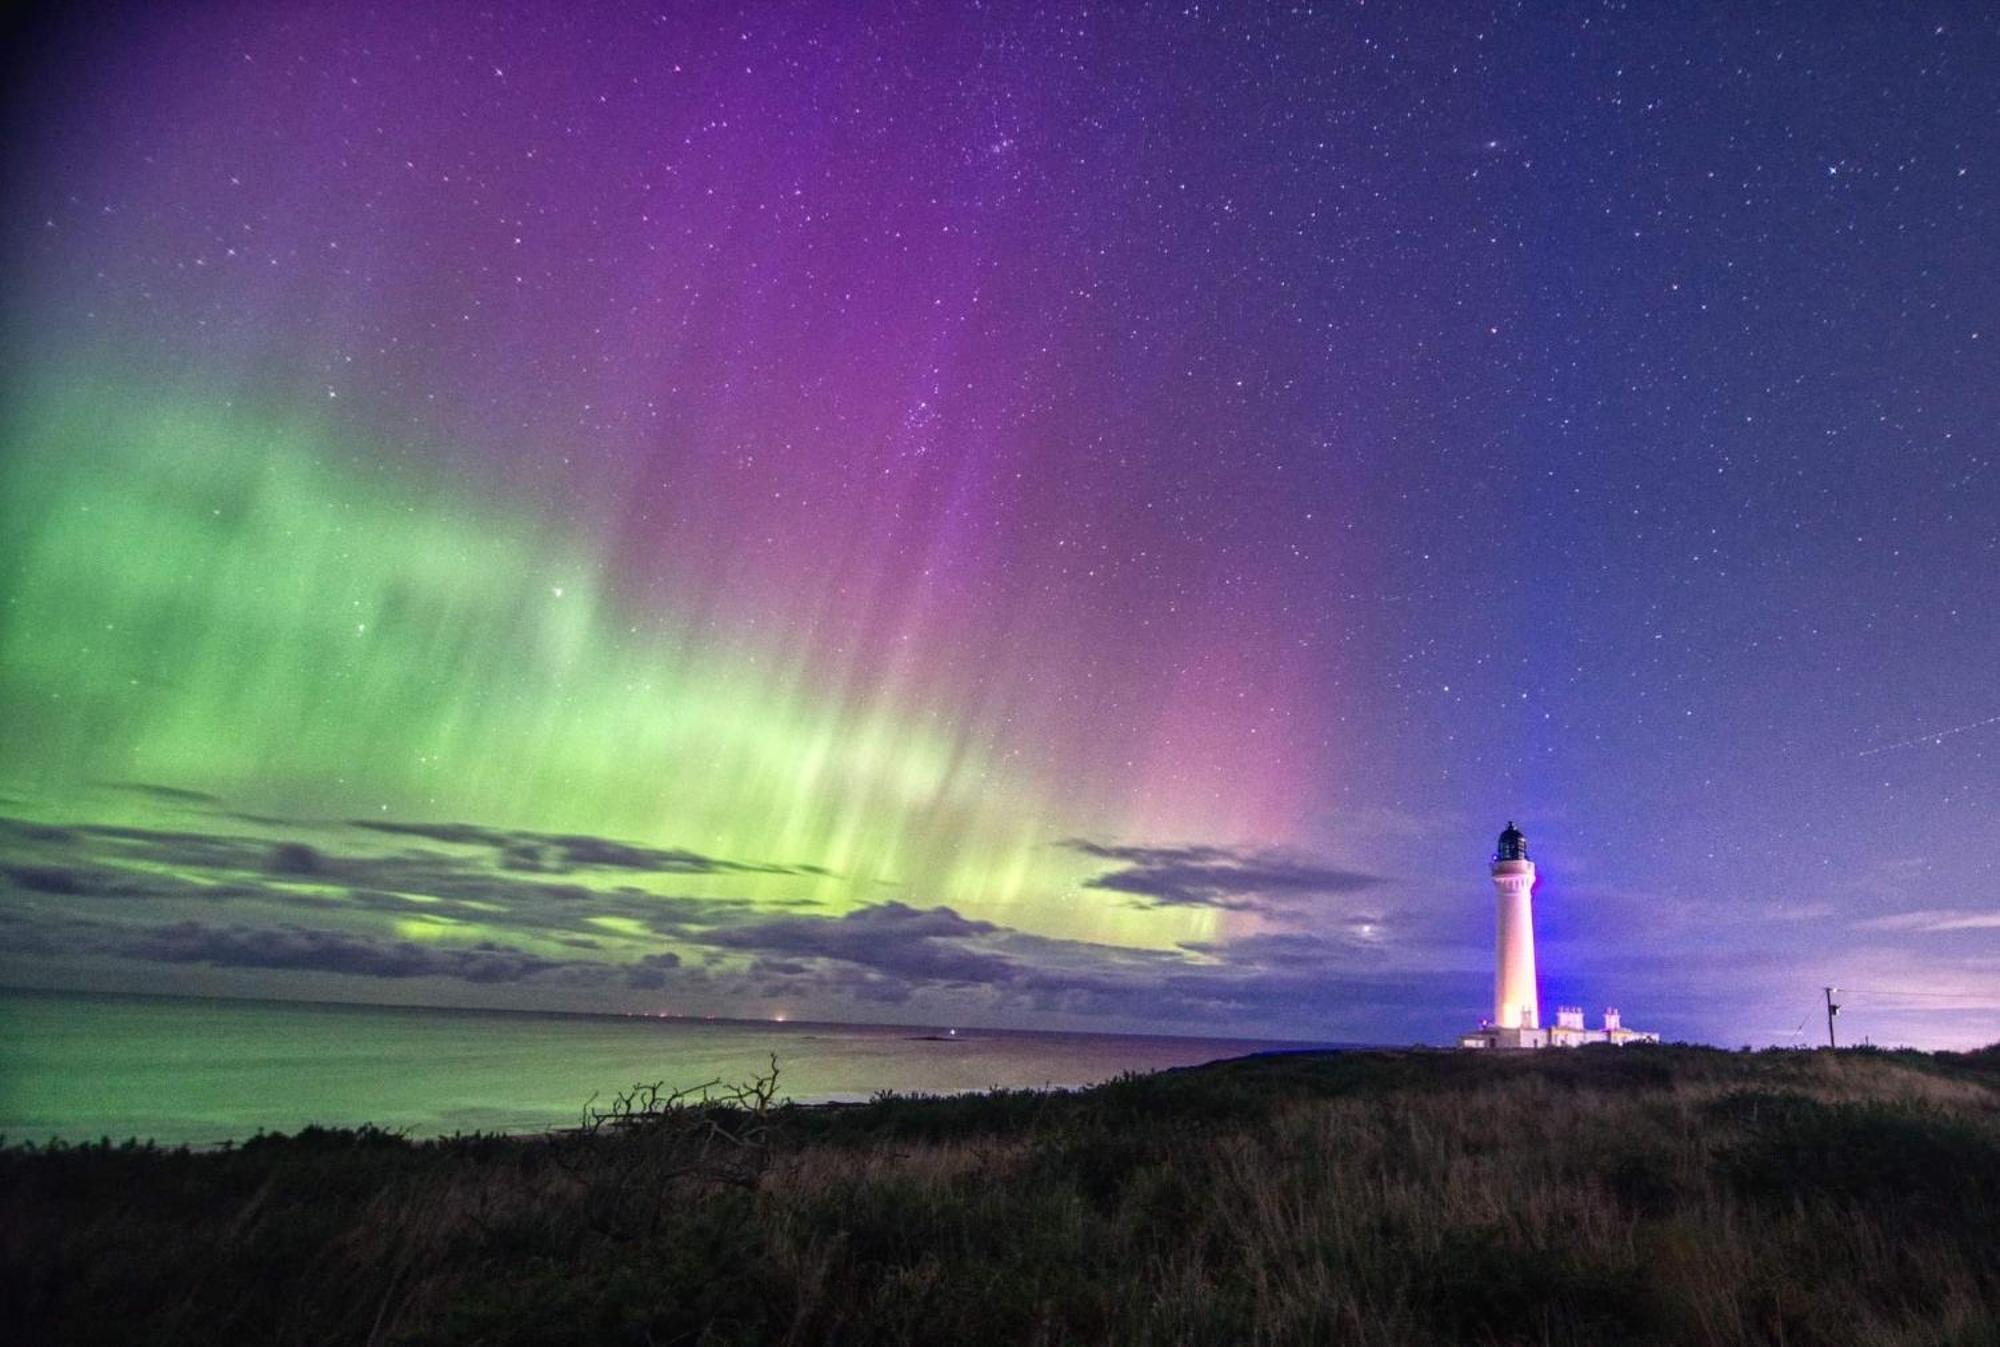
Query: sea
(82, 1066)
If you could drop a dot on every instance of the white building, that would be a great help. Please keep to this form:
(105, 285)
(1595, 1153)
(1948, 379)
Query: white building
(1517, 998)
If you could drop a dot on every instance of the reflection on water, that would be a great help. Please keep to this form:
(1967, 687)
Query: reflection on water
(82, 1066)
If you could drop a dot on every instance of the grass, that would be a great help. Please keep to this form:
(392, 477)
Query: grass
(1628, 1196)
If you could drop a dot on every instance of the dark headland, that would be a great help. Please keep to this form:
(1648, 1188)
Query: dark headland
(1632, 1196)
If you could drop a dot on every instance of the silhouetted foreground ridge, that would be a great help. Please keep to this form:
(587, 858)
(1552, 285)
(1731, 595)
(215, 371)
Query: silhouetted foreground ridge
(1635, 1195)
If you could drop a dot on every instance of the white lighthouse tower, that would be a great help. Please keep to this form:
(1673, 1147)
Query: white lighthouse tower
(1517, 1003)
(1517, 998)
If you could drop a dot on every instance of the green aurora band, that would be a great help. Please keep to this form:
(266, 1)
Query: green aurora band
(221, 601)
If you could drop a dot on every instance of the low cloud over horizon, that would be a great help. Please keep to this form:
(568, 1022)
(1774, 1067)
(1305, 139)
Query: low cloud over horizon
(461, 913)
(1229, 878)
(568, 916)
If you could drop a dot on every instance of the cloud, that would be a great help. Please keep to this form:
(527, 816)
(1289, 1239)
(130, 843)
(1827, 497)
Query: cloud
(922, 944)
(83, 880)
(316, 898)
(165, 794)
(63, 881)
(301, 949)
(164, 847)
(1933, 920)
(652, 972)
(305, 950)
(894, 952)
(296, 858)
(1321, 951)
(284, 893)
(564, 852)
(1218, 877)
(90, 863)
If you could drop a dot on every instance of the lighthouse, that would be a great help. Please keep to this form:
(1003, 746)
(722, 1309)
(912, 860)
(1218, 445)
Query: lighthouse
(1516, 1002)
(1517, 997)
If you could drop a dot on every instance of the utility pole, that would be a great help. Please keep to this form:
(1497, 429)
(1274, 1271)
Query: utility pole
(1832, 1009)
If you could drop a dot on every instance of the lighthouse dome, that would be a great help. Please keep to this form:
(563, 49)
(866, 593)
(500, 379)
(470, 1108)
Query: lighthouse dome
(1513, 845)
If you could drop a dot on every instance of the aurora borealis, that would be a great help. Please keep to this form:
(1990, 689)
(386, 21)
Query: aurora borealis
(1022, 515)
(270, 622)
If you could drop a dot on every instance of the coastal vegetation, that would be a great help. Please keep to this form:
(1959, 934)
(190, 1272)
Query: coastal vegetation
(1636, 1195)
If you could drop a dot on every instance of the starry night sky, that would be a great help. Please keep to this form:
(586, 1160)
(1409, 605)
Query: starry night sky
(1023, 515)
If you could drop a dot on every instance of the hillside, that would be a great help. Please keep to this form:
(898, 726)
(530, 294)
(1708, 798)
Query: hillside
(1638, 1195)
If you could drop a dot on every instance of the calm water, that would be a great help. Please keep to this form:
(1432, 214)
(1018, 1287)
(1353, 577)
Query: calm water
(83, 1067)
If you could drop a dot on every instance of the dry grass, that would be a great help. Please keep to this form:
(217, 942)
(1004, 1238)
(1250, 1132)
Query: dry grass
(1659, 1196)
